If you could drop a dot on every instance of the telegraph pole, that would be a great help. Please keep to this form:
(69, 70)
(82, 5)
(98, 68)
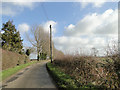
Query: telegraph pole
(50, 43)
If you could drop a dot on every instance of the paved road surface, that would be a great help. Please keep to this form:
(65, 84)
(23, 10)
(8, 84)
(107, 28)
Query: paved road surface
(35, 76)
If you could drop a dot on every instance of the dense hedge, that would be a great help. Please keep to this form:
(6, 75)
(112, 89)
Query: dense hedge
(90, 71)
(12, 59)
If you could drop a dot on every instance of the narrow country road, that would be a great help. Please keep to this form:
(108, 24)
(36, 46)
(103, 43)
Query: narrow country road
(34, 76)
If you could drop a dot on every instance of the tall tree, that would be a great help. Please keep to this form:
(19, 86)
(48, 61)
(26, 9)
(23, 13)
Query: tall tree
(11, 39)
(39, 38)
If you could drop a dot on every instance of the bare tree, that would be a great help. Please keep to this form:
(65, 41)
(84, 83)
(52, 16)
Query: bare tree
(111, 48)
(94, 52)
(39, 39)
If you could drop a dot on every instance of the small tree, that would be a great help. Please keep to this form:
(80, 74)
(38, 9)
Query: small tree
(28, 52)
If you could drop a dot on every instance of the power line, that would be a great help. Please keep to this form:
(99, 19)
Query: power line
(44, 10)
(50, 31)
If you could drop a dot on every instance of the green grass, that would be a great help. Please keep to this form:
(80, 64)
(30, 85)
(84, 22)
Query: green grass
(62, 80)
(6, 73)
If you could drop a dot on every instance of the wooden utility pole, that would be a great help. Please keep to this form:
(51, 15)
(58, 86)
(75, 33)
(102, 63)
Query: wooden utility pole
(50, 43)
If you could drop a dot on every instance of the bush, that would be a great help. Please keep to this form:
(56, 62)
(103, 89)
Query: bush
(28, 52)
(90, 71)
(43, 56)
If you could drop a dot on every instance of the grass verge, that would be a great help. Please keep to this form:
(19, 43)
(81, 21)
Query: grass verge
(6, 73)
(62, 80)
(65, 81)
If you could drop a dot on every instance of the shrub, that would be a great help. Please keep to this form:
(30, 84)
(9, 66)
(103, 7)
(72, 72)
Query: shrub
(89, 70)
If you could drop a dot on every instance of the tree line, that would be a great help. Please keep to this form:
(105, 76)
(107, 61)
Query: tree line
(40, 40)
(38, 37)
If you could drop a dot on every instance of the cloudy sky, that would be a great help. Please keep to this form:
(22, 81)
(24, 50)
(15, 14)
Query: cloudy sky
(83, 24)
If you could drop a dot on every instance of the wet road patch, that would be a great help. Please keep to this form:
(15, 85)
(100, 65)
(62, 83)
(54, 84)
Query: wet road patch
(12, 79)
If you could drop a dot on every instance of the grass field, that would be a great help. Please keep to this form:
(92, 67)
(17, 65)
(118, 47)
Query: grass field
(6, 73)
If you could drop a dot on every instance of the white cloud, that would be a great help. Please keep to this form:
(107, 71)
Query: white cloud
(25, 1)
(70, 27)
(72, 44)
(94, 23)
(23, 27)
(13, 8)
(7, 11)
(23, 4)
(94, 30)
(95, 3)
(47, 26)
